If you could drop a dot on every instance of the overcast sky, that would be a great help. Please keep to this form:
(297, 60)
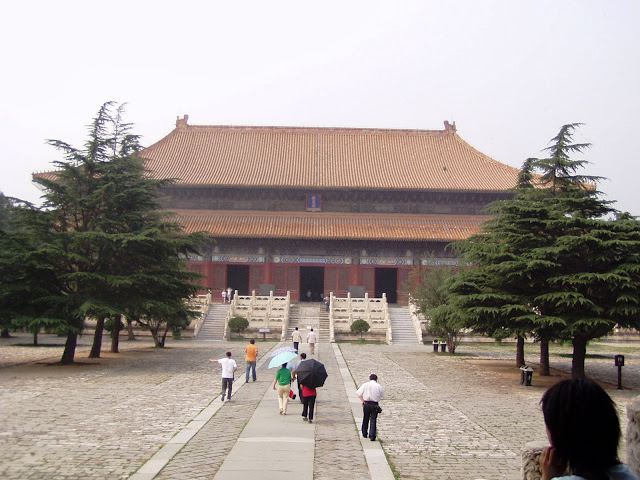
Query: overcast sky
(509, 73)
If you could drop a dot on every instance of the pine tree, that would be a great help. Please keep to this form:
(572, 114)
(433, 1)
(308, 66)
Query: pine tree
(100, 230)
(550, 263)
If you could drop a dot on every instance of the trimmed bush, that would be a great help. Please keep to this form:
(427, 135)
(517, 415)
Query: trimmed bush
(238, 324)
(360, 326)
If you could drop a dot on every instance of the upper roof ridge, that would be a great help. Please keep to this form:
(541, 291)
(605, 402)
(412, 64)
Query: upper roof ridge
(182, 124)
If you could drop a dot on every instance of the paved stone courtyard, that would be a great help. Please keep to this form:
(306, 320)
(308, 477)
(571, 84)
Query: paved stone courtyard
(444, 417)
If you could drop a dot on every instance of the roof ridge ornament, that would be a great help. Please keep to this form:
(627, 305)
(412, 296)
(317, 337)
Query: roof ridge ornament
(449, 127)
(181, 123)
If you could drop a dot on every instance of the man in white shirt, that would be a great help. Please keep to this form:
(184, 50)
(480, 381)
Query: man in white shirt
(229, 366)
(296, 337)
(311, 340)
(370, 394)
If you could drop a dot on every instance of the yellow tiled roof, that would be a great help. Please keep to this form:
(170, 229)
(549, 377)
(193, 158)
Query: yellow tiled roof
(329, 226)
(325, 158)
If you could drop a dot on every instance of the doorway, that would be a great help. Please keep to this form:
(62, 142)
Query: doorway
(311, 284)
(238, 278)
(386, 281)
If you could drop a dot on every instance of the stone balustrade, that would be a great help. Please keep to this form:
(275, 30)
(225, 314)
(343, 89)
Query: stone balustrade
(261, 311)
(633, 436)
(343, 311)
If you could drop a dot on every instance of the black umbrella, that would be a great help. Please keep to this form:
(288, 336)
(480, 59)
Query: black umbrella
(311, 373)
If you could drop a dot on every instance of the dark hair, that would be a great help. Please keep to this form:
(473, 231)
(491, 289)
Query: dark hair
(373, 376)
(303, 355)
(228, 354)
(583, 426)
(252, 341)
(284, 365)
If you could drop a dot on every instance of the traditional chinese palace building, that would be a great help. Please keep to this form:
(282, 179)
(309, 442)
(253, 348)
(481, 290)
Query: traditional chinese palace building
(324, 210)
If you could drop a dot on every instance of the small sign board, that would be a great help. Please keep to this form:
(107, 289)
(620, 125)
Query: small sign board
(264, 332)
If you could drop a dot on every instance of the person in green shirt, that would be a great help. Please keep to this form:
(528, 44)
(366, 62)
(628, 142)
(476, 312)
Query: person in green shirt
(283, 380)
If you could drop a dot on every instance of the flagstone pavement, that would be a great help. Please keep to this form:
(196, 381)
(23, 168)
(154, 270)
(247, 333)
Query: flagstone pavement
(156, 413)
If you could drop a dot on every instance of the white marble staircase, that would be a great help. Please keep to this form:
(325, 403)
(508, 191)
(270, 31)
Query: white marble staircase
(213, 326)
(402, 329)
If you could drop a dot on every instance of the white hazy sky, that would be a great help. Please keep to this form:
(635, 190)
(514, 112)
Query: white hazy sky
(509, 73)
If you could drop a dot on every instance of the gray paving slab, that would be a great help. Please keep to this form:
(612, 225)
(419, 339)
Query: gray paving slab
(442, 417)
(271, 443)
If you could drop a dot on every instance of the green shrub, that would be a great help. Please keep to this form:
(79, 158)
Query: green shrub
(238, 324)
(360, 326)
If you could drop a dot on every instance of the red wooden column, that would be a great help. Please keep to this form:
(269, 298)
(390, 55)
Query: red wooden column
(268, 273)
(355, 276)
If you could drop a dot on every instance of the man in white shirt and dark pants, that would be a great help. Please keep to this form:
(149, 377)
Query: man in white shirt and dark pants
(229, 366)
(370, 394)
(311, 340)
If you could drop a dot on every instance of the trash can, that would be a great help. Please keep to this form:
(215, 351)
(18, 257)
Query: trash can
(526, 375)
(443, 346)
(435, 346)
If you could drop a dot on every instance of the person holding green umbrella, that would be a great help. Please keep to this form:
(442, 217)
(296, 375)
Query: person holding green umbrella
(283, 380)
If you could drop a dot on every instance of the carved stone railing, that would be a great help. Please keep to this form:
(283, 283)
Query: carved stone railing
(417, 318)
(531, 460)
(633, 436)
(201, 304)
(344, 311)
(261, 311)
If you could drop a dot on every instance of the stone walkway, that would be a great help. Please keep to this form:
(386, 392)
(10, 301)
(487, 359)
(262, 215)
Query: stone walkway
(443, 418)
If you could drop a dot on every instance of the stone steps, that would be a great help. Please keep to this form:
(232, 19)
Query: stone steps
(213, 326)
(402, 329)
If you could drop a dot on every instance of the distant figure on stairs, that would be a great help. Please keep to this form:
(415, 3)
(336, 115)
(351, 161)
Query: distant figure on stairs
(311, 340)
(296, 337)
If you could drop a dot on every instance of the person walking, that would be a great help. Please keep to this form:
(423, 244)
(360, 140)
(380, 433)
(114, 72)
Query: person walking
(303, 357)
(229, 294)
(311, 340)
(308, 403)
(370, 394)
(251, 357)
(229, 367)
(296, 337)
(283, 380)
(223, 294)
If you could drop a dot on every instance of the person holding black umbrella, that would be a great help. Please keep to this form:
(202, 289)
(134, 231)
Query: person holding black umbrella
(311, 374)
(370, 394)
(308, 403)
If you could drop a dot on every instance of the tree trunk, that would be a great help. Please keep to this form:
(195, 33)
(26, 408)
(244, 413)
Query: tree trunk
(35, 339)
(520, 351)
(115, 334)
(544, 357)
(69, 348)
(97, 338)
(154, 334)
(5, 333)
(130, 329)
(451, 343)
(579, 355)
(164, 335)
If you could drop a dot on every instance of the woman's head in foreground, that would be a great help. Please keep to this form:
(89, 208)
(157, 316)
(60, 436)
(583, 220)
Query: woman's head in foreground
(582, 424)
